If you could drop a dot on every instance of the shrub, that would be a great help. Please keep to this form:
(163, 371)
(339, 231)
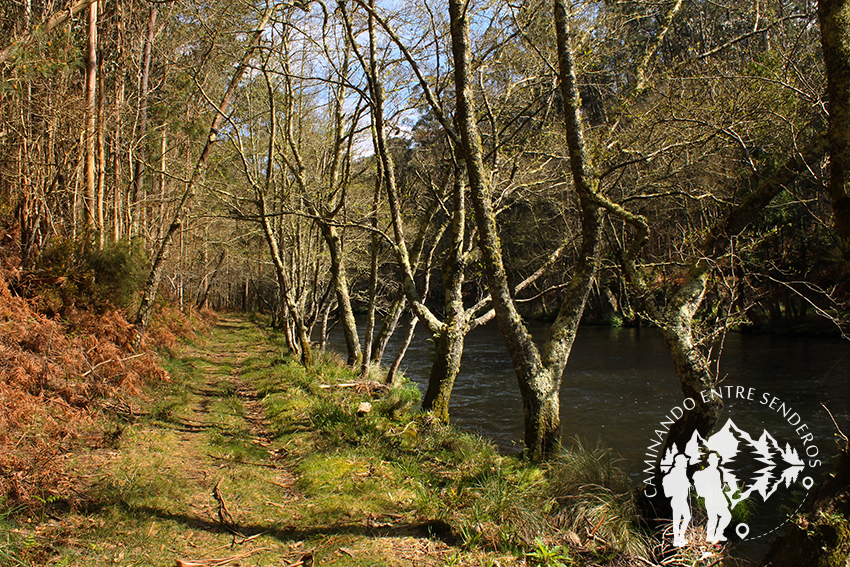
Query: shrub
(120, 270)
(90, 277)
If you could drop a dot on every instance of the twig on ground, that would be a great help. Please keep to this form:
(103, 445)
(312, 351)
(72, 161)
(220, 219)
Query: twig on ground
(224, 516)
(99, 364)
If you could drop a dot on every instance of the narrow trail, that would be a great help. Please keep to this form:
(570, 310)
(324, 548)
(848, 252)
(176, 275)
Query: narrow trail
(223, 433)
(203, 479)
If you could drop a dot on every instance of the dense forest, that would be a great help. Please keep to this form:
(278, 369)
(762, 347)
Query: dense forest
(675, 164)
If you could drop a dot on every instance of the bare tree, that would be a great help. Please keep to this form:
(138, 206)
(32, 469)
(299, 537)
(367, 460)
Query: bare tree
(539, 374)
(152, 284)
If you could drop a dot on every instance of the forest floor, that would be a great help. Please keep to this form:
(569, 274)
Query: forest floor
(238, 460)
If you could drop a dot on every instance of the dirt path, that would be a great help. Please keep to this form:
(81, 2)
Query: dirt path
(203, 479)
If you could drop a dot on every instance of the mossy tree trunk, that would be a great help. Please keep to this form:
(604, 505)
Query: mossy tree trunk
(538, 375)
(448, 349)
(284, 283)
(343, 297)
(676, 318)
(449, 341)
(834, 17)
(448, 334)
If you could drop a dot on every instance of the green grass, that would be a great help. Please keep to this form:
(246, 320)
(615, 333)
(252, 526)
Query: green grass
(12, 544)
(301, 473)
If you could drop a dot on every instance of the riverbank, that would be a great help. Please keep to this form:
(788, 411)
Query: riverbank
(243, 457)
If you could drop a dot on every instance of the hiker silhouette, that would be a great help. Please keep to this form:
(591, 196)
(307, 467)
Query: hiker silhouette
(709, 484)
(676, 487)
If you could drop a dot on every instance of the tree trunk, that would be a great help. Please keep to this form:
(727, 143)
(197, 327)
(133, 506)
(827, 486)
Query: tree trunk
(100, 221)
(140, 154)
(323, 328)
(286, 322)
(91, 120)
(449, 341)
(691, 364)
(392, 374)
(539, 377)
(343, 299)
(118, 196)
(373, 277)
(205, 291)
(286, 289)
(448, 349)
(541, 404)
(834, 17)
(388, 327)
(162, 186)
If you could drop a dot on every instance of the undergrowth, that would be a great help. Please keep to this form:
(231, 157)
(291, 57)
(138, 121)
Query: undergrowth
(66, 364)
(308, 474)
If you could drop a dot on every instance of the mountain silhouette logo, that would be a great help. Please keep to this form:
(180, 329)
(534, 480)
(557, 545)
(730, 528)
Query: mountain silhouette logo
(717, 483)
(731, 466)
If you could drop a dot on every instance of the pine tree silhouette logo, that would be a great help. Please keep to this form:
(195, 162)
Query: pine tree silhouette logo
(717, 482)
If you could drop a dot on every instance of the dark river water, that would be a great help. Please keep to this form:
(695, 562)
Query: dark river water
(620, 384)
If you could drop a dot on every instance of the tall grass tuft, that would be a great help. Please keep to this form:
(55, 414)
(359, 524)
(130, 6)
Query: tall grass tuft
(510, 501)
(594, 498)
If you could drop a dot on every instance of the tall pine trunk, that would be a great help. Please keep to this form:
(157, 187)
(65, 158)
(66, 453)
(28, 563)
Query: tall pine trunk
(90, 198)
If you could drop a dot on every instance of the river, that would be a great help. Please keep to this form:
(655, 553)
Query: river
(620, 384)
